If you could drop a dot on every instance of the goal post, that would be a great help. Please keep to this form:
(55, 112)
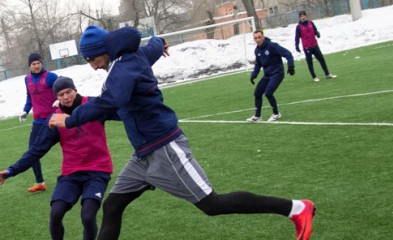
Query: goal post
(356, 10)
(248, 24)
(233, 29)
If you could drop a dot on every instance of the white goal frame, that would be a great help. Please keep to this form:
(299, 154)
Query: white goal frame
(244, 23)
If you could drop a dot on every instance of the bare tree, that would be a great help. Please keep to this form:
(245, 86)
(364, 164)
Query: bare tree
(168, 14)
(31, 27)
(250, 8)
(262, 4)
(104, 20)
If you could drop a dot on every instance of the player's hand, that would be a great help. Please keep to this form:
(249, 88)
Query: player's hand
(166, 47)
(252, 80)
(297, 49)
(23, 117)
(58, 120)
(2, 176)
(291, 70)
(318, 34)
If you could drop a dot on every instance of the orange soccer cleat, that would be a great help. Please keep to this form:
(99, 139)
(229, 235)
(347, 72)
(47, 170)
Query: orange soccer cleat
(37, 187)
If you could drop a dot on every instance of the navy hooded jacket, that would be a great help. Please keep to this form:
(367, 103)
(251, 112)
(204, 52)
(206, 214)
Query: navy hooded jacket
(269, 56)
(131, 90)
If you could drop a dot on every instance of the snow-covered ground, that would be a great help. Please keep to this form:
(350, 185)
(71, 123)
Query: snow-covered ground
(207, 57)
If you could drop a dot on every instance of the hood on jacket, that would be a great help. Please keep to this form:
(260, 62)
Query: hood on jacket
(121, 41)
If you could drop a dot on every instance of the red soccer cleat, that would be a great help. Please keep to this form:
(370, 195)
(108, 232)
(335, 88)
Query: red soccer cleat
(303, 221)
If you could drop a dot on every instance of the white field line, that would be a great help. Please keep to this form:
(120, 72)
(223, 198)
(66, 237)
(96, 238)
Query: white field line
(8, 129)
(290, 123)
(293, 103)
(190, 81)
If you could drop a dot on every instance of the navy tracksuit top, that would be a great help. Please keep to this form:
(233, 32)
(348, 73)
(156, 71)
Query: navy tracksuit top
(131, 90)
(269, 56)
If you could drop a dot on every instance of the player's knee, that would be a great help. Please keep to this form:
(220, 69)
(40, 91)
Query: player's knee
(269, 95)
(209, 205)
(89, 219)
(58, 210)
(258, 95)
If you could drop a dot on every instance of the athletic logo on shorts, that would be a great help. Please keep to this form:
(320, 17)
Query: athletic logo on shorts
(98, 195)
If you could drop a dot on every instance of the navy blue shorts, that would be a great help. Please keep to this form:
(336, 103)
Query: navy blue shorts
(84, 184)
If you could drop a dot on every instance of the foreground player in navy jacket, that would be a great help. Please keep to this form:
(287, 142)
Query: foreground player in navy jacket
(162, 158)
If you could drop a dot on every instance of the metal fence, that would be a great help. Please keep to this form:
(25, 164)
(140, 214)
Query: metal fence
(315, 11)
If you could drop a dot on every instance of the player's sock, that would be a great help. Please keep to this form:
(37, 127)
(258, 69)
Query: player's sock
(297, 207)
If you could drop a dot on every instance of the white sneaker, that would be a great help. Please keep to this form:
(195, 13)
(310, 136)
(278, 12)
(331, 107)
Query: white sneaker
(274, 117)
(254, 119)
(329, 76)
(316, 79)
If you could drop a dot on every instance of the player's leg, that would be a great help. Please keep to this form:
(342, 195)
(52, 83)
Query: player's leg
(113, 208)
(65, 195)
(301, 212)
(40, 186)
(319, 56)
(88, 215)
(258, 93)
(308, 53)
(94, 187)
(243, 202)
(178, 173)
(58, 210)
(271, 88)
(129, 185)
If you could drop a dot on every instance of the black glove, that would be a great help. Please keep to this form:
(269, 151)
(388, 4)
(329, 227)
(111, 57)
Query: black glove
(297, 49)
(23, 117)
(291, 70)
(318, 34)
(252, 80)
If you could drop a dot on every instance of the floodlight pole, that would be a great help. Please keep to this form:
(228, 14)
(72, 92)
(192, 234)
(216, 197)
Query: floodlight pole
(356, 10)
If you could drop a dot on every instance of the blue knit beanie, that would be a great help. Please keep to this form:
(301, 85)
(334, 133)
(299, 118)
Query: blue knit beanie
(34, 57)
(92, 42)
(62, 83)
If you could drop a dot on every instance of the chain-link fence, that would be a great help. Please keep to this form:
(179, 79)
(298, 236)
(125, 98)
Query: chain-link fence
(318, 9)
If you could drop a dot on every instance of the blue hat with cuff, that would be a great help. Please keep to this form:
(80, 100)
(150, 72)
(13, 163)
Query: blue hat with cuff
(92, 42)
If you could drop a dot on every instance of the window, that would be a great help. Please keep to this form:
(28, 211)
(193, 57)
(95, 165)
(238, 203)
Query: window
(273, 10)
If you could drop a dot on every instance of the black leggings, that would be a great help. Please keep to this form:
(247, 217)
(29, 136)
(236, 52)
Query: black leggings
(212, 205)
(88, 215)
(244, 203)
(113, 207)
(319, 56)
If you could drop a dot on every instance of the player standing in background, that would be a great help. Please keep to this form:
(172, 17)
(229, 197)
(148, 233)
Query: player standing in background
(268, 55)
(306, 30)
(40, 97)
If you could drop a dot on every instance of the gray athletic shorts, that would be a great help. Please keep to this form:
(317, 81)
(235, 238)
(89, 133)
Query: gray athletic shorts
(171, 168)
